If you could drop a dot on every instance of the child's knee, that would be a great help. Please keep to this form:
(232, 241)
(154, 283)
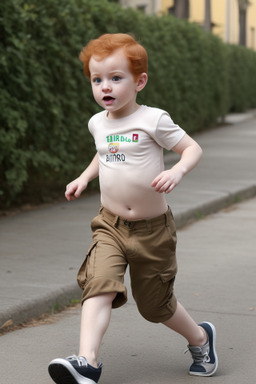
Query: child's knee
(158, 314)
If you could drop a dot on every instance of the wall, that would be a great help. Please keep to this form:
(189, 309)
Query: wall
(225, 18)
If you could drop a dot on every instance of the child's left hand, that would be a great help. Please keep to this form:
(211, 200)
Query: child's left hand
(190, 153)
(167, 180)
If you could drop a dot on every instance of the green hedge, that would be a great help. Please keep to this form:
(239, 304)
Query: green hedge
(46, 102)
(241, 78)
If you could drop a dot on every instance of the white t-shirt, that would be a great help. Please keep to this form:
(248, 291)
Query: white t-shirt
(130, 152)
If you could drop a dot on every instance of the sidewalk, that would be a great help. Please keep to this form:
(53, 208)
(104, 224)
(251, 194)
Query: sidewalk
(41, 250)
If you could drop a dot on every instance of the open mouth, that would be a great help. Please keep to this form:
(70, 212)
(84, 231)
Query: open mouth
(108, 98)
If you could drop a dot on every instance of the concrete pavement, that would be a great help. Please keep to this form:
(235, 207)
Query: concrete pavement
(41, 250)
(216, 282)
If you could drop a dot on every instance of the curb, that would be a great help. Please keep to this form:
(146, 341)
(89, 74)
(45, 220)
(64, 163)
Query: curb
(49, 303)
(213, 206)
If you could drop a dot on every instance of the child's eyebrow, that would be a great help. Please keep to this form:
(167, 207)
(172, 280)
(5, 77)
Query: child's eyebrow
(95, 74)
(111, 73)
(116, 70)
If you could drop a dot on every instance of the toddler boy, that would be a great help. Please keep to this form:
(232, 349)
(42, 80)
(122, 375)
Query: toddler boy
(134, 226)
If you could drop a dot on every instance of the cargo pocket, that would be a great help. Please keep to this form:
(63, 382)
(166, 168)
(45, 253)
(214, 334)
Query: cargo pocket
(167, 278)
(86, 270)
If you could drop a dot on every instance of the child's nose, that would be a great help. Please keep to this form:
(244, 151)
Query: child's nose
(106, 86)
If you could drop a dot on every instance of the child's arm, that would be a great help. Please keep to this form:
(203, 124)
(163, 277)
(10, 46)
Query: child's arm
(190, 153)
(76, 187)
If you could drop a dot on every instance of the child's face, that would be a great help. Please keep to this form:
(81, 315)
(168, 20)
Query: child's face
(113, 85)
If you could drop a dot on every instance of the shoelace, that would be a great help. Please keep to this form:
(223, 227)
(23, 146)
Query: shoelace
(198, 356)
(80, 360)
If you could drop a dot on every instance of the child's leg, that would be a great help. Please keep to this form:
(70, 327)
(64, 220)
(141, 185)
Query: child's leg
(96, 313)
(182, 323)
(201, 341)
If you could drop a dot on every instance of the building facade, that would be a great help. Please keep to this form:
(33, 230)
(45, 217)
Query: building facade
(146, 6)
(224, 16)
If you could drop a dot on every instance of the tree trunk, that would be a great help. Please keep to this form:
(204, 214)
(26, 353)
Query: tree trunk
(242, 27)
(207, 16)
(181, 9)
(242, 4)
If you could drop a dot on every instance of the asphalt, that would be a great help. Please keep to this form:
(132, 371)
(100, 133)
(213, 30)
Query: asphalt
(41, 250)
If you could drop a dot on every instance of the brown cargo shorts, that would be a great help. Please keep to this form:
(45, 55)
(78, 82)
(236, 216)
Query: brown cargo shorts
(148, 247)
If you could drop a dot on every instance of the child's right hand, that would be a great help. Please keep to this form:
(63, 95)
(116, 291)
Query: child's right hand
(75, 188)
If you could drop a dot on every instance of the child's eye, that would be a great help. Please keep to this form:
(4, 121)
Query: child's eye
(116, 78)
(96, 80)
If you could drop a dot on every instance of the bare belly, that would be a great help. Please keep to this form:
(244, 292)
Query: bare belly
(144, 207)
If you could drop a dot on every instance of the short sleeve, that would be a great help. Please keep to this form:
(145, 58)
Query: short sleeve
(168, 134)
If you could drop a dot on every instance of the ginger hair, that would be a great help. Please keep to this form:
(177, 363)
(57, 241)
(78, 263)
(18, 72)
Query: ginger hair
(107, 44)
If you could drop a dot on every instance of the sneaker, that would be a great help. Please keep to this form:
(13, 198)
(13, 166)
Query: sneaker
(205, 357)
(74, 370)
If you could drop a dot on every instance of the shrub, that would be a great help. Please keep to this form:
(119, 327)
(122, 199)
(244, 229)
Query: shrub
(46, 102)
(241, 78)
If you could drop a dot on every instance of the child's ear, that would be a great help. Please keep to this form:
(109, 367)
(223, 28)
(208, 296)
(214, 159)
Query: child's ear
(141, 81)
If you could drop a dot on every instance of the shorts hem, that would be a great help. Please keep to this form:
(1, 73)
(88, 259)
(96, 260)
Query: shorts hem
(100, 286)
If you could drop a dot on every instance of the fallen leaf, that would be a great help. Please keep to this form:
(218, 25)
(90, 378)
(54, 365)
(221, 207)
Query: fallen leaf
(8, 323)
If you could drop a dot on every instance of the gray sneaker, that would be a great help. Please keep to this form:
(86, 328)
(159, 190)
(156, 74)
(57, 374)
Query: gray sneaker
(74, 370)
(205, 357)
